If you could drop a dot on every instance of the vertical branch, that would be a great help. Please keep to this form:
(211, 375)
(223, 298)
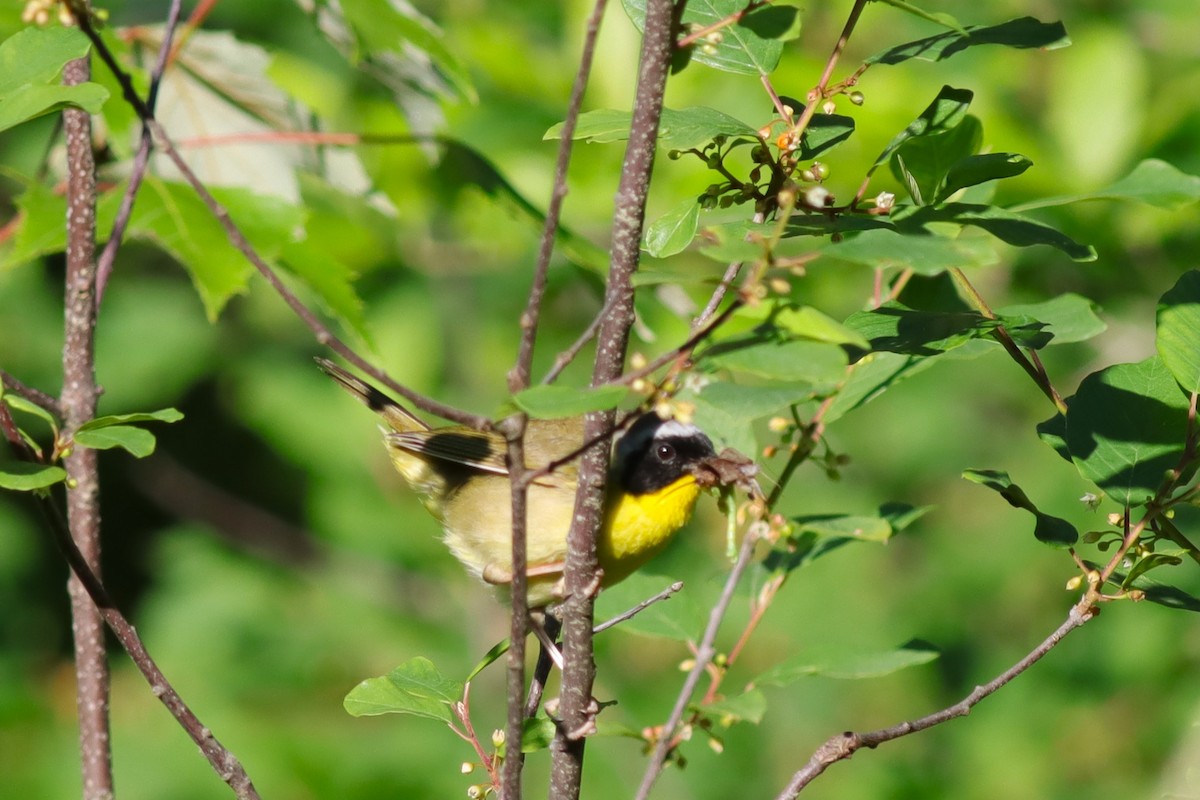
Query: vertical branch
(79, 405)
(581, 574)
(518, 379)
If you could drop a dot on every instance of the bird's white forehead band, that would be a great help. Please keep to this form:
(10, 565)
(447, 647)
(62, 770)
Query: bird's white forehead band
(675, 429)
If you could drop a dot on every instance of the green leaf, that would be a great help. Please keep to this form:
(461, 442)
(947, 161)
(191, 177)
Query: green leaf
(331, 280)
(867, 529)
(819, 363)
(751, 402)
(30, 63)
(22, 476)
(749, 706)
(824, 131)
(383, 27)
(871, 376)
(1166, 558)
(976, 169)
(1126, 427)
(944, 113)
(901, 515)
(898, 329)
(415, 687)
(38, 228)
(138, 441)
(537, 733)
(1168, 596)
(171, 216)
(1005, 225)
(807, 322)
(1069, 317)
(1178, 330)
(162, 415)
(923, 161)
(1153, 182)
(673, 232)
(679, 128)
(751, 46)
(490, 657)
(1024, 33)
(1051, 530)
(461, 165)
(553, 402)
(938, 18)
(34, 100)
(18, 403)
(923, 253)
(829, 662)
(1054, 433)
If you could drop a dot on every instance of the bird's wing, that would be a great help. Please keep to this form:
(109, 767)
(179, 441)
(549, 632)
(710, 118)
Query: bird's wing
(475, 449)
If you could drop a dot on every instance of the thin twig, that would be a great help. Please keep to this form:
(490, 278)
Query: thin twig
(714, 302)
(35, 396)
(639, 608)
(563, 359)
(704, 654)
(844, 745)
(141, 160)
(1032, 366)
(323, 334)
(78, 401)
(818, 92)
(226, 765)
(518, 379)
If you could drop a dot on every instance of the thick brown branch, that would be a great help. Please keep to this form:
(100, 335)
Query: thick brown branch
(581, 576)
(79, 405)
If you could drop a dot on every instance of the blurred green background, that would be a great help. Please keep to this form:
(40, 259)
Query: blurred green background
(271, 559)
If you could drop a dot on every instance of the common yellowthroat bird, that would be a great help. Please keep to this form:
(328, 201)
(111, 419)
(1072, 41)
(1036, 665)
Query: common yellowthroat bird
(460, 473)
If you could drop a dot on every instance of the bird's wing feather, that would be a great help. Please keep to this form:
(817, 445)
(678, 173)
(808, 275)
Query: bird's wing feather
(475, 449)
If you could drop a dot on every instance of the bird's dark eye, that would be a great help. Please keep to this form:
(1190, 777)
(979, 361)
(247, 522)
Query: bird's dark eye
(665, 452)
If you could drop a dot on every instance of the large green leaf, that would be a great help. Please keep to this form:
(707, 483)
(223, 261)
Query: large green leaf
(1068, 317)
(551, 402)
(923, 253)
(922, 162)
(898, 329)
(171, 216)
(832, 662)
(384, 28)
(681, 128)
(137, 441)
(22, 476)
(944, 113)
(871, 376)
(751, 46)
(1178, 330)
(976, 169)
(795, 360)
(1007, 226)
(674, 230)
(1052, 530)
(30, 62)
(1025, 32)
(1152, 181)
(1126, 427)
(415, 687)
